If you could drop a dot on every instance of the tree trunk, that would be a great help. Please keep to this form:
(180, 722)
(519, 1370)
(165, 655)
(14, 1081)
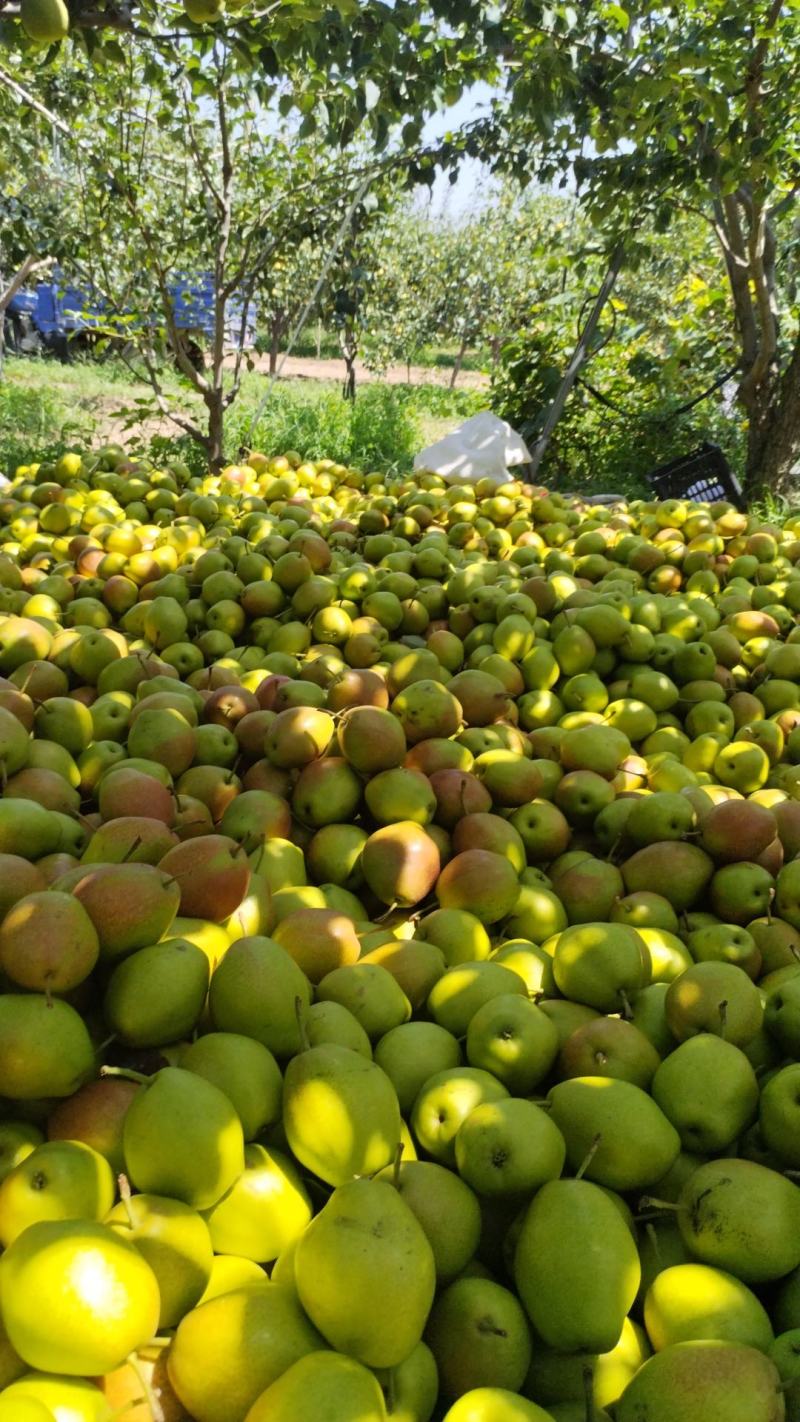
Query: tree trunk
(458, 362)
(274, 347)
(216, 421)
(577, 361)
(773, 441)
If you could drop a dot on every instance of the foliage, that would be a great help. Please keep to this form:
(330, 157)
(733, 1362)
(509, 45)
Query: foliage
(659, 347)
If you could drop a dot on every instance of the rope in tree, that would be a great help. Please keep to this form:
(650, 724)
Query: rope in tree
(657, 419)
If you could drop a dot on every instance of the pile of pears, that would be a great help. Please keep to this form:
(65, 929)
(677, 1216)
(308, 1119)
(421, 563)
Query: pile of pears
(399, 950)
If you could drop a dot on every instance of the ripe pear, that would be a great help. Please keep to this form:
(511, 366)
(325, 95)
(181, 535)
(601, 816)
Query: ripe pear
(692, 1301)
(245, 1070)
(265, 1210)
(481, 882)
(132, 839)
(365, 1273)
(601, 964)
(17, 879)
(326, 1386)
(212, 873)
(340, 1113)
(175, 1242)
(27, 829)
(94, 1115)
(615, 1129)
(497, 1404)
(130, 905)
(708, 1090)
(45, 1049)
(254, 992)
(182, 1138)
(674, 868)
(48, 942)
(228, 1350)
(156, 996)
(740, 1216)
(704, 1381)
(110, 1309)
(400, 863)
(610, 1046)
(479, 1336)
(576, 1267)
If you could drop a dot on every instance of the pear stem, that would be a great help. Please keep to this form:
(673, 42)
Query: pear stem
(305, 1040)
(649, 1202)
(125, 1197)
(150, 1398)
(127, 1073)
(587, 1160)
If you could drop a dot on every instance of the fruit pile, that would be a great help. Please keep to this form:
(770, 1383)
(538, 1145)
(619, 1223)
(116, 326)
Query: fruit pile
(400, 951)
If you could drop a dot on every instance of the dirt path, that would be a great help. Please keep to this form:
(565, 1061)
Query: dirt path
(308, 368)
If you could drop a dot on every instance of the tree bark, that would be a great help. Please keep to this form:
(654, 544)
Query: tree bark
(576, 362)
(773, 443)
(458, 362)
(274, 347)
(216, 421)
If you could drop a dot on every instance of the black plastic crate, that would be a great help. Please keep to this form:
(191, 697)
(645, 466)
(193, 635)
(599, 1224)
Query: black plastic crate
(704, 475)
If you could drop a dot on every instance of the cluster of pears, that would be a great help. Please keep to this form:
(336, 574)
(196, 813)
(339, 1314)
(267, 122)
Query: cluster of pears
(399, 917)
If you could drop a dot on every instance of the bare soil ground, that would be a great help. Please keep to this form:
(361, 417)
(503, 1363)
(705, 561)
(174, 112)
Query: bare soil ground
(308, 368)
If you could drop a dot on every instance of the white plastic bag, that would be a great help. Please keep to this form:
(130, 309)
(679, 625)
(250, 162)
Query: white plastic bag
(483, 447)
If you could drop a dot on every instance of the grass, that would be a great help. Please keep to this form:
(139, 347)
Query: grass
(46, 408)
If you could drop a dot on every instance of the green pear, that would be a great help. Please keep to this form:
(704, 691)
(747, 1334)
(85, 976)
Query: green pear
(567, 1016)
(714, 997)
(444, 1103)
(576, 1267)
(650, 1017)
(615, 1129)
(782, 1016)
(330, 1022)
(45, 1049)
(559, 1378)
(156, 996)
(254, 991)
(365, 1273)
(785, 1354)
(17, 1140)
(509, 1147)
(340, 1113)
(245, 1070)
(609, 1046)
(600, 964)
(742, 1217)
(59, 1180)
(778, 1114)
(479, 1335)
(410, 1390)
(228, 1350)
(496, 1404)
(183, 1138)
(701, 1381)
(326, 1386)
(446, 1208)
(692, 1301)
(708, 1090)
(174, 1240)
(513, 1039)
(369, 991)
(412, 1053)
(265, 1210)
(461, 936)
(456, 997)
